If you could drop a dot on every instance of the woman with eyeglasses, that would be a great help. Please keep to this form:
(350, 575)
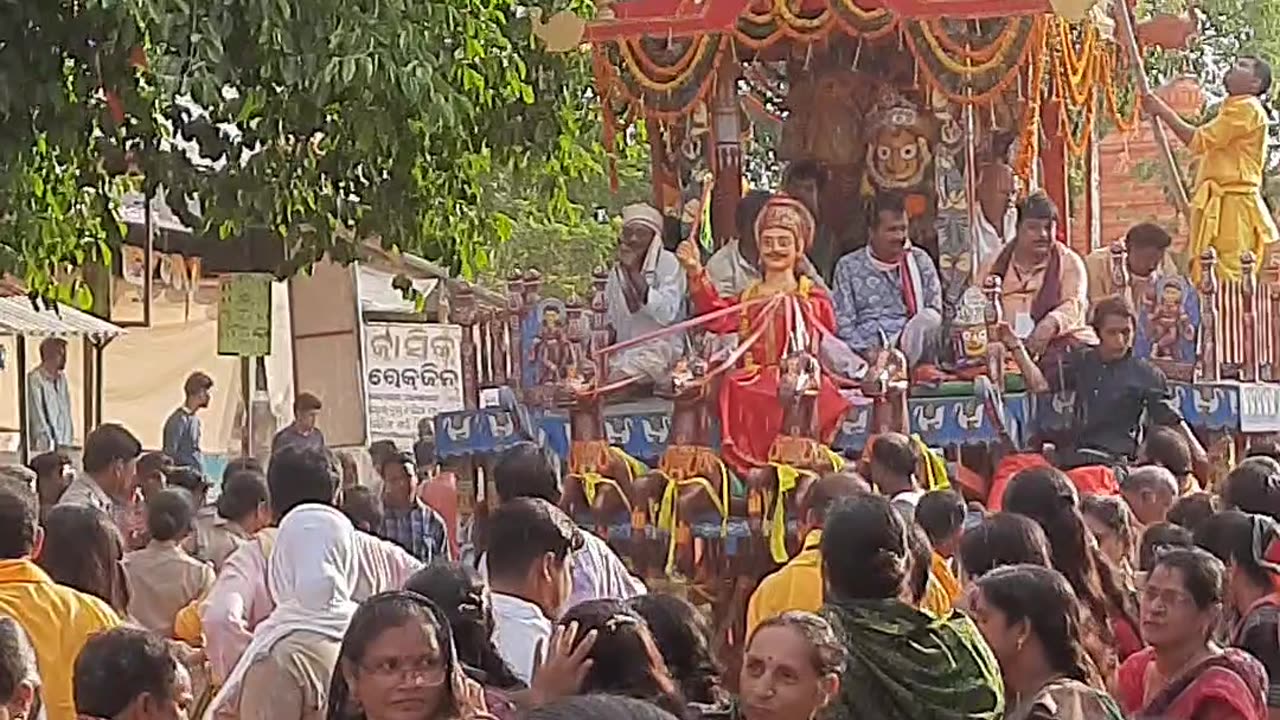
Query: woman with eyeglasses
(1032, 621)
(1242, 542)
(625, 659)
(1183, 674)
(398, 662)
(19, 680)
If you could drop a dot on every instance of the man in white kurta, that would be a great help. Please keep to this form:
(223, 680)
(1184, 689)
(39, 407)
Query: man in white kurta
(645, 293)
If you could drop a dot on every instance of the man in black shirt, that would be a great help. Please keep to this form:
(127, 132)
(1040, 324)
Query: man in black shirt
(1116, 393)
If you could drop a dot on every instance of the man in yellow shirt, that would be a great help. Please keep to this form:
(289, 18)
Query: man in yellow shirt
(941, 514)
(1227, 210)
(57, 619)
(798, 584)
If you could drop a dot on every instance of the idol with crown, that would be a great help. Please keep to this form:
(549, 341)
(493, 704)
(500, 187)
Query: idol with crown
(780, 321)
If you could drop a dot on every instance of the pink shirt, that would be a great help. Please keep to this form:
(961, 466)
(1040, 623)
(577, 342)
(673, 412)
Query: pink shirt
(240, 599)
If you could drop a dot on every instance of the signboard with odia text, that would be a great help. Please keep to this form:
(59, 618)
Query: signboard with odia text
(412, 371)
(244, 315)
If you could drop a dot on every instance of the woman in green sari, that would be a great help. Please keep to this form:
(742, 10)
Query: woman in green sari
(903, 664)
(1031, 618)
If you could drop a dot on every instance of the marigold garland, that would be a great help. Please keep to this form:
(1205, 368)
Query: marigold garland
(1029, 143)
(636, 50)
(677, 80)
(1123, 124)
(998, 88)
(999, 46)
(966, 68)
(781, 8)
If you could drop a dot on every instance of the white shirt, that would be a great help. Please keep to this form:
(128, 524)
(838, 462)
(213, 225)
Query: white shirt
(905, 502)
(49, 424)
(519, 627)
(991, 240)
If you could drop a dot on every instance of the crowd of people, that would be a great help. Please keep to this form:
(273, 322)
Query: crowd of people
(1158, 600)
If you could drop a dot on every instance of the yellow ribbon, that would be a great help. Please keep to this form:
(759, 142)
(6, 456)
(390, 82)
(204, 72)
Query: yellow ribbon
(787, 476)
(836, 459)
(668, 508)
(935, 468)
(591, 481)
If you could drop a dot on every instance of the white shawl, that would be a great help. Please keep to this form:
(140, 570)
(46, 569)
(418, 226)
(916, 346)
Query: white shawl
(311, 574)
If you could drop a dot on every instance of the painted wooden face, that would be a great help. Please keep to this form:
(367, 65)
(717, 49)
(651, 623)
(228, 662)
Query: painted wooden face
(899, 157)
(778, 249)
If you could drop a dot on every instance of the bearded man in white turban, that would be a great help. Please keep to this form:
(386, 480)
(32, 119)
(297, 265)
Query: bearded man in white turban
(645, 293)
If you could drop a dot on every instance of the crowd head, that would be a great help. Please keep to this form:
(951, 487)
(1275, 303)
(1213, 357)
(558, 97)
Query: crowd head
(19, 676)
(396, 661)
(791, 668)
(129, 672)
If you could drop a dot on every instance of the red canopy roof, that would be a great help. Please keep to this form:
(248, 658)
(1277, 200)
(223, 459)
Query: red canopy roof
(676, 18)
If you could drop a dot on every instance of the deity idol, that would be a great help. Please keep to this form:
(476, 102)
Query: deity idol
(780, 316)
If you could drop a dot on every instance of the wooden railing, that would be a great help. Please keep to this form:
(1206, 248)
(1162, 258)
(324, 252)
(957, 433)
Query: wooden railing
(495, 341)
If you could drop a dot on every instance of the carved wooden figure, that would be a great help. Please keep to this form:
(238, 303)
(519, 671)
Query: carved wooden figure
(1273, 297)
(1210, 356)
(1249, 328)
(1120, 272)
(691, 481)
(599, 480)
(997, 353)
(464, 314)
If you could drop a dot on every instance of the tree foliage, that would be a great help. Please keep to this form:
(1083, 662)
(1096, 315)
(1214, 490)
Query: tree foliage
(319, 121)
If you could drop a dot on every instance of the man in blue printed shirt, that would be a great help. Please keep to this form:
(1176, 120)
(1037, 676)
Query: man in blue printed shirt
(888, 289)
(407, 521)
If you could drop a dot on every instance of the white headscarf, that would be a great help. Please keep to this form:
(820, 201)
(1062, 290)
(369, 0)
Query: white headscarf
(643, 214)
(311, 574)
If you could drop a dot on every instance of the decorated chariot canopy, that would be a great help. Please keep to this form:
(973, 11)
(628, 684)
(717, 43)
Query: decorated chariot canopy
(905, 95)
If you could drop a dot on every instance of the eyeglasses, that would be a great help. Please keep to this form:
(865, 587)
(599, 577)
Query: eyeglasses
(429, 670)
(1168, 598)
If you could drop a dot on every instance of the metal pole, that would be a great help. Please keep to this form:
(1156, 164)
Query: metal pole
(24, 443)
(246, 399)
(148, 255)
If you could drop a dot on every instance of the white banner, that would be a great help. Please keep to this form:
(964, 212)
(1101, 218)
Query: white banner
(412, 371)
(1259, 408)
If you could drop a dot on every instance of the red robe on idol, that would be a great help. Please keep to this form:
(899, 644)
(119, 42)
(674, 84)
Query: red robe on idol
(750, 414)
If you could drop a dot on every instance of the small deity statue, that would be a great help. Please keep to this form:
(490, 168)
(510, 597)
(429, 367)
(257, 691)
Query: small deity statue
(969, 337)
(1169, 322)
(898, 153)
(551, 351)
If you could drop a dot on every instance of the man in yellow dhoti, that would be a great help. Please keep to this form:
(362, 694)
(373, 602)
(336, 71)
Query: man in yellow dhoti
(1227, 211)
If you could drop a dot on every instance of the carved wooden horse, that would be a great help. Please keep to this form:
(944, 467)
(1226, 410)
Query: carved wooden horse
(600, 477)
(691, 480)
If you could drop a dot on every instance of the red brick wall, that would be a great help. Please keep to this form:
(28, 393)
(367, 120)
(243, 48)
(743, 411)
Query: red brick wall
(1127, 200)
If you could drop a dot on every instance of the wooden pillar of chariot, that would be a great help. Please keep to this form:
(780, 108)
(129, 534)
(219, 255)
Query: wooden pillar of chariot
(463, 312)
(1273, 299)
(726, 158)
(1209, 360)
(516, 313)
(1249, 322)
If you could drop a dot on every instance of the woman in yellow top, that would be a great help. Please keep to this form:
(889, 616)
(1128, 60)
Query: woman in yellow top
(1227, 211)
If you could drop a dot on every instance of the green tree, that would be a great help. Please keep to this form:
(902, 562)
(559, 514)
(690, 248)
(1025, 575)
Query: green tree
(319, 121)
